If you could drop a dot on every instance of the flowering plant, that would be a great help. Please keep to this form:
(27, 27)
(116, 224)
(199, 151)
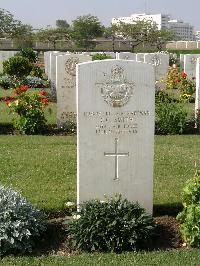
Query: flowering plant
(180, 81)
(30, 109)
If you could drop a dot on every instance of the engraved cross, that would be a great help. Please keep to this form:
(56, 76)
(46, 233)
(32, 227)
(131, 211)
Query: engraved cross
(116, 155)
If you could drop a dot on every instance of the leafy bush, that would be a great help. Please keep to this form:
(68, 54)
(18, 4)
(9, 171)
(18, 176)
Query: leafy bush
(6, 82)
(170, 118)
(17, 66)
(190, 216)
(164, 96)
(36, 71)
(28, 53)
(30, 109)
(34, 82)
(101, 57)
(20, 222)
(113, 225)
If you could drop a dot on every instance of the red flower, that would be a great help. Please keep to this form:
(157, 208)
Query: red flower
(24, 88)
(184, 75)
(44, 93)
(8, 103)
(177, 80)
(44, 100)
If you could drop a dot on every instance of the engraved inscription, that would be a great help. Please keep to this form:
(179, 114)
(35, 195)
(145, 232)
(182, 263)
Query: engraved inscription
(70, 68)
(116, 90)
(156, 61)
(116, 155)
(119, 123)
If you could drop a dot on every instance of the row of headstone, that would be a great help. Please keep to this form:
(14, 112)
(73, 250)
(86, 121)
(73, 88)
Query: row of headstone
(60, 68)
(197, 97)
(190, 64)
(5, 55)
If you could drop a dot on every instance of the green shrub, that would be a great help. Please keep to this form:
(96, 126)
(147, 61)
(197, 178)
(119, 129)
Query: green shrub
(190, 216)
(114, 225)
(29, 54)
(36, 71)
(20, 222)
(17, 66)
(101, 57)
(170, 118)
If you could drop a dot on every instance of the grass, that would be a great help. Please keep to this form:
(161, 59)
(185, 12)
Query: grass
(160, 258)
(43, 168)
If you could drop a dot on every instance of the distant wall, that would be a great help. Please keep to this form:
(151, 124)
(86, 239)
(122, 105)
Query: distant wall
(183, 45)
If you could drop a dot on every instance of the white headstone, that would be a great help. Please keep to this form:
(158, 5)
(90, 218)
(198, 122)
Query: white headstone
(181, 61)
(115, 107)
(140, 57)
(197, 98)
(127, 56)
(160, 61)
(5, 55)
(190, 64)
(66, 87)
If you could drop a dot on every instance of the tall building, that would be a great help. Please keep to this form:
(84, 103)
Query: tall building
(183, 31)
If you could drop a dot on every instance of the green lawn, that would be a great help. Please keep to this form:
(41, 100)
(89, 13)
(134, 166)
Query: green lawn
(160, 258)
(43, 168)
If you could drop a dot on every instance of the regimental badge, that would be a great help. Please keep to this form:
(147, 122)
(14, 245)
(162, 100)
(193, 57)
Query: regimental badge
(193, 60)
(116, 90)
(156, 61)
(70, 66)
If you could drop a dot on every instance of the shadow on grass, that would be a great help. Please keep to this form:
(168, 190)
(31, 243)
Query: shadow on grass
(171, 209)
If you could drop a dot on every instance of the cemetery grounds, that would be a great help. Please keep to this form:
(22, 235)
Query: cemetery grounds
(43, 169)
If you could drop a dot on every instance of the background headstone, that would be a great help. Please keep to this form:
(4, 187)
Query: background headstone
(126, 56)
(190, 64)
(197, 97)
(115, 120)
(160, 61)
(66, 87)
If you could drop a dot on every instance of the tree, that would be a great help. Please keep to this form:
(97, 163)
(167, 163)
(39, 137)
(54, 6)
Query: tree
(111, 32)
(62, 24)
(23, 36)
(160, 37)
(85, 29)
(141, 31)
(52, 35)
(8, 24)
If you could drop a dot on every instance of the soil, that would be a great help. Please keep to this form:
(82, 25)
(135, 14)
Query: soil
(56, 242)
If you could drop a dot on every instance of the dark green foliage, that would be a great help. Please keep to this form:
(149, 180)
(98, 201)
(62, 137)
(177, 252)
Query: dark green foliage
(101, 57)
(115, 225)
(190, 216)
(163, 96)
(36, 72)
(29, 54)
(17, 66)
(170, 118)
(85, 29)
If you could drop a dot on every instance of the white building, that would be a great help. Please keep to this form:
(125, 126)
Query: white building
(160, 19)
(183, 31)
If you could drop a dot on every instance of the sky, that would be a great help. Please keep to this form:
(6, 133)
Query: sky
(41, 13)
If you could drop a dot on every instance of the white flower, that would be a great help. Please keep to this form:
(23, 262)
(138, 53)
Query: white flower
(76, 217)
(69, 204)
